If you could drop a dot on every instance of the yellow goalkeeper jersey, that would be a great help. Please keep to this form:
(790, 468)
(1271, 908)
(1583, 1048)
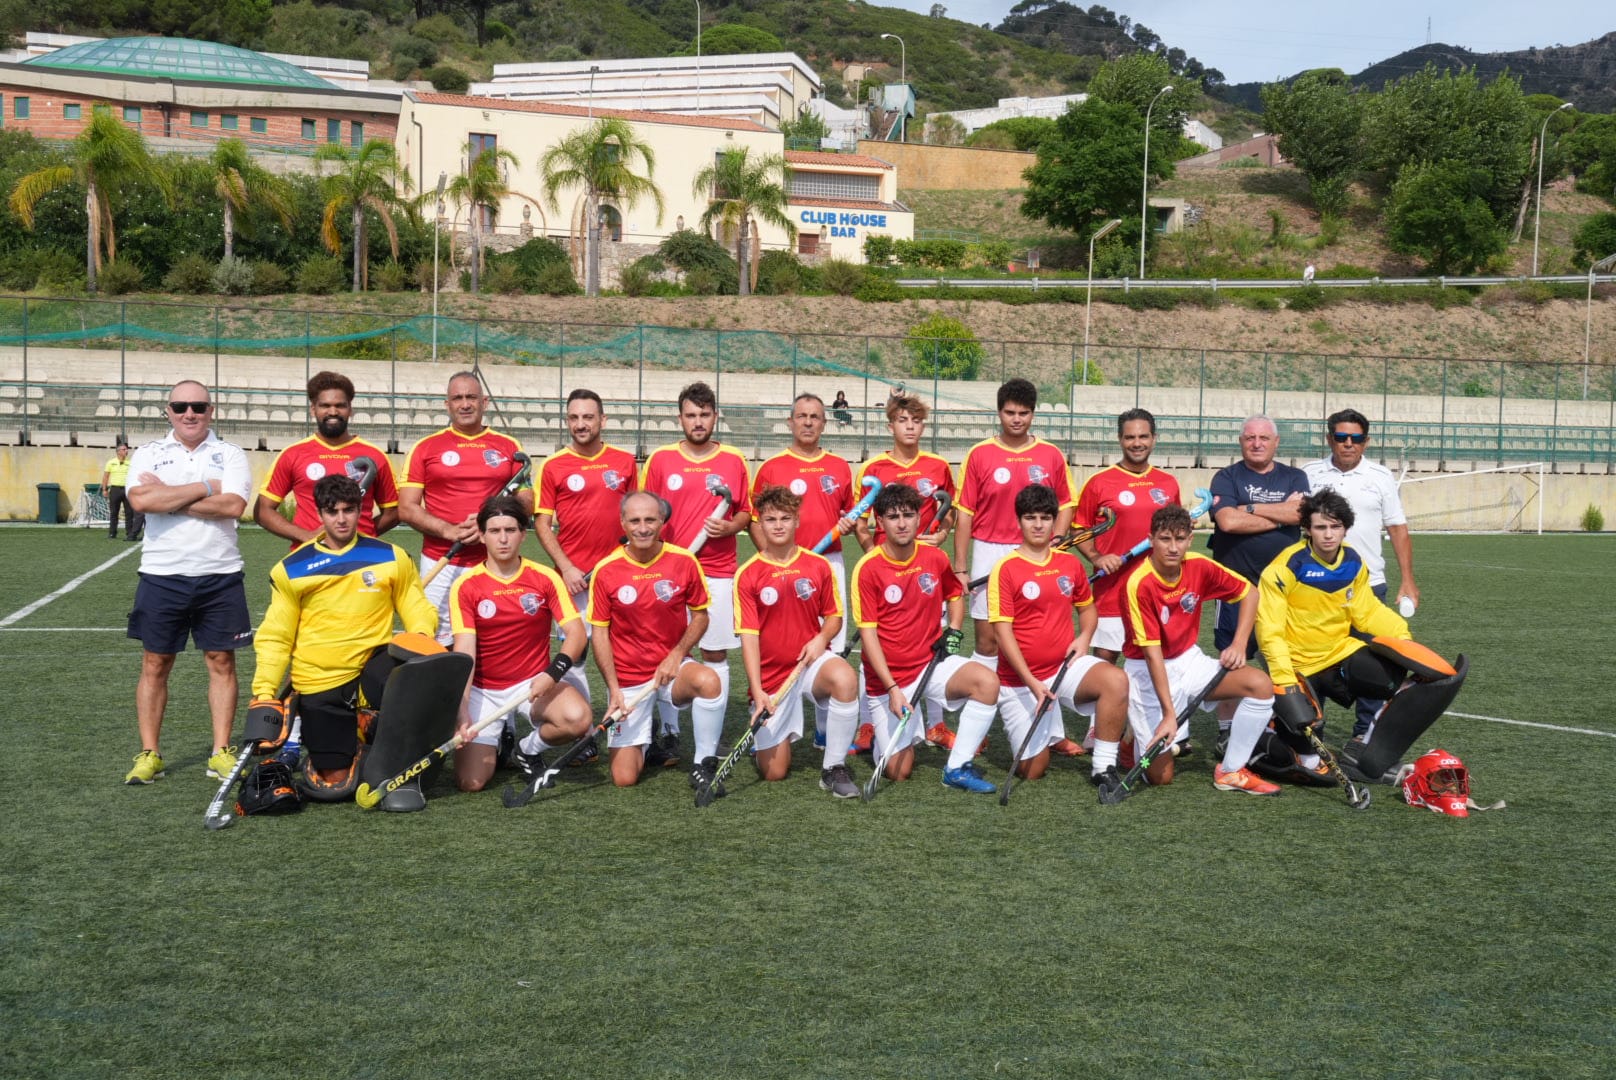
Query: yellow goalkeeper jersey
(1307, 610)
(329, 610)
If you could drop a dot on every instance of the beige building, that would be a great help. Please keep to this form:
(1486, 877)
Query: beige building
(836, 199)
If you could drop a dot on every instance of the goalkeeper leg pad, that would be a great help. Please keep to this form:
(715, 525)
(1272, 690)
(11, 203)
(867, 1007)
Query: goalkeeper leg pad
(1275, 759)
(419, 709)
(1405, 718)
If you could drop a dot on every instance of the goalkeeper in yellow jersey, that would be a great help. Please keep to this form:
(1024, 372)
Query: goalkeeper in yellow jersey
(331, 614)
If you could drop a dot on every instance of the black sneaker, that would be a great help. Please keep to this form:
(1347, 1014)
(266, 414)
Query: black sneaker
(702, 774)
(1109, 785)
(663, 751)
(529, 765)
(587, 756)
(838, 780)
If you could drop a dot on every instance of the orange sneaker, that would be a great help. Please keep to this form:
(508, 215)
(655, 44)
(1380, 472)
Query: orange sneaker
(939, 735)
(1242, 780)
(864, 740)
(1067, 748)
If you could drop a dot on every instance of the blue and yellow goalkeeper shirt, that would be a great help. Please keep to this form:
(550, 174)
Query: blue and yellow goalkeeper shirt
(1308, 608)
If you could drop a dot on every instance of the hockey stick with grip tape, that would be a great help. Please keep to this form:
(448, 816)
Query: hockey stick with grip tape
(368, 796)
(1108, 519)
(873, 784)
(1037, 720)
(1203, 505)
(860, 508)
(710, 790)
(512, 485)
(513, 798)
(220, 814)
(1111, 796)
(726, 499)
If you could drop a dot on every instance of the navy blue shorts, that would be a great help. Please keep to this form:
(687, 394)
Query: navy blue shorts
(210, 609)
(1228, 622)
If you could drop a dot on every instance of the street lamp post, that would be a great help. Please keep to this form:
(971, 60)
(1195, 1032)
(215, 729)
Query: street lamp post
(1606, 263)
(592, 69)
(1144, 184)
(1088, 300)
(1537, 217)
(903, 77)
(698, 57)
(443, 178)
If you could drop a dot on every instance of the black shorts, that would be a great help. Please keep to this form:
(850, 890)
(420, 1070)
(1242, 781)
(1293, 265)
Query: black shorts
(210, 609)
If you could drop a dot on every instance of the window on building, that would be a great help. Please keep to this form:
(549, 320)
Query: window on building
(72, 110)
(230, 121)
(611, 223)
(199, 119)
(807, 243)
(259, 125)
(356, 134)
(480, 143)
(836, 186)
(333, 131)
(19, 108)
(309, 133)
(131, 114)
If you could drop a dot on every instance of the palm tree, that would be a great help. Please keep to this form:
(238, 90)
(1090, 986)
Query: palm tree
(368, 179)
(739, 187)
(108, 157)
(239, 183)
(482, 186)
(600, 159)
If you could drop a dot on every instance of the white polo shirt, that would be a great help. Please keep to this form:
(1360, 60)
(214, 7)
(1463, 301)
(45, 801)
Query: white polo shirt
(179, 545)
(1371, 489)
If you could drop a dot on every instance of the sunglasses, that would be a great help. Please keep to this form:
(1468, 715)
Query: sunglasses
(199, 407)
(1348, 436)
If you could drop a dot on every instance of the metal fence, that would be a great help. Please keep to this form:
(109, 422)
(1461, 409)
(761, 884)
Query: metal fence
(79, 371)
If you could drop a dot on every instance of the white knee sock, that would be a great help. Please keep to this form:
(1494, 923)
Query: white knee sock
(841, 724)
(1308, 761)
(1105, 755)
(1250, 718)
(974, 722)
(721, 669)
(707, 721)
(821, 720)
(533, 743)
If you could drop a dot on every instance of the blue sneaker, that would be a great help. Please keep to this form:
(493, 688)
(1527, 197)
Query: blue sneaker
(968, 777)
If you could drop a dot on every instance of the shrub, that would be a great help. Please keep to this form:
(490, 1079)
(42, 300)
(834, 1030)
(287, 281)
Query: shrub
(390, 276)
(1308, 298)
(651, 264)
(531, 259)
(1260, 302)
(269, 278)
(690, 251)
(1595, 238)
(120, 276)
(58, 272)
(418, 52)
(779, 274)
(373, 347)
(192, 274)
(701, 281)
(936, 254)
(877, 289)
(635, 279)
(878, 250)
(439, 28)
(1474, 387)
(841, 277)
(945, 347)
(502, 276)
(448, 80)
(320, 275)
(233, 277)
(1593, 519)
(423, 273)
(557, 280)
(1150, 299)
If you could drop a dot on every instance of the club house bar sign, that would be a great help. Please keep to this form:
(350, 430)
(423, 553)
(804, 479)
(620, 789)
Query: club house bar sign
(843, 223)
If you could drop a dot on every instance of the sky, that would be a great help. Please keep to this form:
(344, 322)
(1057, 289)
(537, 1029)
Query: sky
(1263, 40)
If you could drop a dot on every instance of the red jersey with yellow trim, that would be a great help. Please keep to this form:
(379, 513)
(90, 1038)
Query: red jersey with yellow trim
(512, 619)
(926, 474)
(825, 484)
(1168, 614)
(457, 474)
(904, 602)
(299, 466)
(1133, 497)
(686, 483)
(992, 475)
(784, 604)
(646, 607)
(585, 494)
(1037, 599)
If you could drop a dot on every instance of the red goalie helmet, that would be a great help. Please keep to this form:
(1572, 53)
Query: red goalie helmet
(1439, 782)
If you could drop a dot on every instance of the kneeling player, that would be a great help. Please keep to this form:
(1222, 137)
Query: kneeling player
(1161, 612)
(1031, 594)
(333, 601)
(651, 600)
(1326, 635)
(900, 589)
(502, 613)
(787, 614)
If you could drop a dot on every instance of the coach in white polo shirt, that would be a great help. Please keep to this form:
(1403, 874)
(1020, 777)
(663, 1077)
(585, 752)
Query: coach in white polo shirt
(1371, 490)
(193, 488)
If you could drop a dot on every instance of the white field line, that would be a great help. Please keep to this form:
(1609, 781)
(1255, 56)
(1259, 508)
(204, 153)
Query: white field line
(1532, 724)
(23, 612)
(63, 629)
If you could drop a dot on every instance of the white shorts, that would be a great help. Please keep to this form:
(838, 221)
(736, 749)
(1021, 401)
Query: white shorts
(1187, 673)
(839, 573)
(886, 724)
(635, 728)
(482, 703)
(1108, 634)
(786, 720)
(720, 633)
(984, 557)
(1016, 708)
(437, 592)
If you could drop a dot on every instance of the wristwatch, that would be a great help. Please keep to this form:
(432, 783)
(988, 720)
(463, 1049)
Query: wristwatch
(1251, 508)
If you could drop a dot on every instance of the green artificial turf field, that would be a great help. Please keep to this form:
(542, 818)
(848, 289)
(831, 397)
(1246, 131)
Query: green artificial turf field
(610, 933)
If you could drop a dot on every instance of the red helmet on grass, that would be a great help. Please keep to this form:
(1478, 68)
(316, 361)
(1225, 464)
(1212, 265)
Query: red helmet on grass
(1439, 782)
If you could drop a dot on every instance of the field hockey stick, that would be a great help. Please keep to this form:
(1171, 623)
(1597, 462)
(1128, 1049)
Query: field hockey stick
(1113, 796)
(945, 503)
(707, 792)
(512, 798)
(860, 508)
(873, 783)
(218, 815)
(509, 487)
(1203, 505)
(368, 796)
(1357, 796)
(1038, 717)
(1108, 518)
(726, 499)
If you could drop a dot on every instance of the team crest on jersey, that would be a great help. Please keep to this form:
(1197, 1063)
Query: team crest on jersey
(1189, 601)
(1125, 498)
(218, 458)
(485, 609)
(369, 578)
(530, 603)
(1037, 474)
(798, 486)
(1001, 475)
(925, 486)
(828, 484)
(664, 589)
(713, 482)
(314, 471)
(928, 583)
(769, 595)
(893, 594)
(627, 594)
(1030, 590)
(575, 482)
(351, 469)
(494, 459)
(1064, 584)
(612, 479)
(675, 482)
(1158, 496)
(450, 458)
(804, 588)
(1166, 613)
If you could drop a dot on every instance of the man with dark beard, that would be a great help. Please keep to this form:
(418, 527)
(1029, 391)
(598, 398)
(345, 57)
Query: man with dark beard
(330, 450)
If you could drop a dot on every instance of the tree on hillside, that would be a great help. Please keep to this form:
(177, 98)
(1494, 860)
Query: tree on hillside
(1590, 153)
(740, 187)
(233, 22)
(365, 183)
(1439, 212)
(1089, 169)
(1022, 132)
(1318, 118)
(481, 188)
(944, 130)
(107, 158)
(242, 184)
(728, 39)
(600, 159)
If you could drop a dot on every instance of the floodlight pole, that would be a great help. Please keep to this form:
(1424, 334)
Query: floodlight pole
(443, 178)
(698, 57)
(903, 77)
(1588, 321)
(1144, 184)
(1088, 301)
(592, 69)
(1537, 216)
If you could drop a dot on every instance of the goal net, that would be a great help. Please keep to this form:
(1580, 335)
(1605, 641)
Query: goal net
(1508, 498)
(90, 511)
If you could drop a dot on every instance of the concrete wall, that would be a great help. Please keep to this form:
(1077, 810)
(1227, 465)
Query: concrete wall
(952, 168)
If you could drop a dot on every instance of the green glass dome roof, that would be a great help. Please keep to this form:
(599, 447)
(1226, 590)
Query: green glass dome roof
(179, 58)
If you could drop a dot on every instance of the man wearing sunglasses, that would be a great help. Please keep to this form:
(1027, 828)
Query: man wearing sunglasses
(1371, 490)
(193, 488)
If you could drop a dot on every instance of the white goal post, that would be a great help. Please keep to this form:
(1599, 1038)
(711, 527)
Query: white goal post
(90, 511)
(1508, 513)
